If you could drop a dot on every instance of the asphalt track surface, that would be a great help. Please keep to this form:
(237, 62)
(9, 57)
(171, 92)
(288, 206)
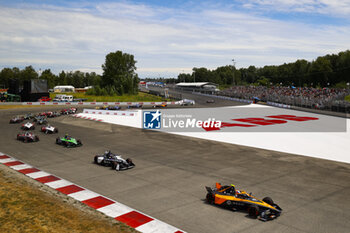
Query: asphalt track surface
(171, 173)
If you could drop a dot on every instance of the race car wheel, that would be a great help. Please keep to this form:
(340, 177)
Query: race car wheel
(95, 159)
(253, 211)
(58, 141)
(210, 198)
(268, 200)
(36, 138)
(56, 130)
(26, 140)
(129, 161)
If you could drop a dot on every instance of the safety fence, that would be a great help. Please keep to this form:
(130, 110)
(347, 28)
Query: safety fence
(110, 113)
(90, 103)
(224, 97)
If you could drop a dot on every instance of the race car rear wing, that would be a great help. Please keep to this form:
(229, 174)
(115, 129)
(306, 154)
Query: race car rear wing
(209, 190)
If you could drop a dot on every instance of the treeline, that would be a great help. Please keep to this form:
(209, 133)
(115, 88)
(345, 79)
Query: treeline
(329, 70)
(118, 76)
(76, 78)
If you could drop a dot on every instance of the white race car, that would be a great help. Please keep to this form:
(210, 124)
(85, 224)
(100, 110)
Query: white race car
(49, 129)
(28, 126)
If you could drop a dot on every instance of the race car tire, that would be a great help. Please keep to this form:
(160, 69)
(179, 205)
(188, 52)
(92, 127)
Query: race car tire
(210, 198)
(79, 143)
(129, 161)
(253, 211)
(95, 159)
(18, 137)
(268, 200)
(36, 139)
(56, 130)
(58, 141)
(25, 140)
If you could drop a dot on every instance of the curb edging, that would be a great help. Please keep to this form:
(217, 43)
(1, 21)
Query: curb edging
(118, 211)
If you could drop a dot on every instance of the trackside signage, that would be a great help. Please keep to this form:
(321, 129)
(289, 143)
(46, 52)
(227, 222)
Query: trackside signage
(154, 120)
(239, 119)
(191, 123)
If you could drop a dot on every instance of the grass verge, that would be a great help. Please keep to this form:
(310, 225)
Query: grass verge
(28, 206)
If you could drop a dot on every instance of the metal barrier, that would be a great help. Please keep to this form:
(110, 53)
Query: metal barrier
(90, 103)
(110, 113)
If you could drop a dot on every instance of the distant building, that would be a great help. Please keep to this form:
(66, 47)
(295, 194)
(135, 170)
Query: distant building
(64, 89)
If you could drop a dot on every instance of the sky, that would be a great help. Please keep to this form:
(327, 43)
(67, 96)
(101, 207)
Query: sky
(171, 36)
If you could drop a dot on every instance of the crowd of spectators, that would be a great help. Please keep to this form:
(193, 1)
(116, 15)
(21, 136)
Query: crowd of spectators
(320, 98)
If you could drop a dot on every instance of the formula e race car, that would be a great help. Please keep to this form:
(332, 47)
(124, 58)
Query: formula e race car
(27, 137)
(113, 108)
(160, 106)
(40, 120)
(66, 111)
(68, 141)
(17, 119)
(49, 129)
(229, 197)
(114, 161)
(135, 106)
(28, 116)
(28, 126)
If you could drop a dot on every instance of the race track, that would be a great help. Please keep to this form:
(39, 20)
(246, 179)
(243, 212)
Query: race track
(171, 172)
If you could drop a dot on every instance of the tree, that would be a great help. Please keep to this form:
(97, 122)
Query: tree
(28, 73)
(5, 75)
(119, 71)
(320, 71)
(50, 77)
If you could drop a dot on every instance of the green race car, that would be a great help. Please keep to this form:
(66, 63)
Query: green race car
(68, 141)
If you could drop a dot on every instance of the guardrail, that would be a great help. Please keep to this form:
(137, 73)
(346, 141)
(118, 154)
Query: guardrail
(224, 97)
(110, 112)
(90, 103)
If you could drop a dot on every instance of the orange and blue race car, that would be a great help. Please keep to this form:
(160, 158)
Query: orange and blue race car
(228, 197)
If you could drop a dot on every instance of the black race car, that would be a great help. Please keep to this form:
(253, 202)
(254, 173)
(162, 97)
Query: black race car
(114, 161)
(27, 137)
(28, 116)
(40, 120)
(228, 196)
(112, 107)
(135, 106)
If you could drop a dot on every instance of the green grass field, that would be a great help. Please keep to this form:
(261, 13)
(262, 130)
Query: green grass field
(140, 97)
